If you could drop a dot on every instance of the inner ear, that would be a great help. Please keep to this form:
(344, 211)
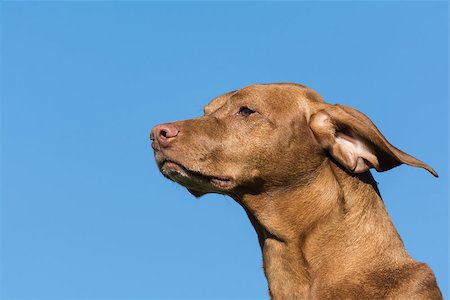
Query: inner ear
(353, 151)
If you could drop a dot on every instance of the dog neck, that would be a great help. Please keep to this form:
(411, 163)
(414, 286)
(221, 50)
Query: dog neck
(327, 227)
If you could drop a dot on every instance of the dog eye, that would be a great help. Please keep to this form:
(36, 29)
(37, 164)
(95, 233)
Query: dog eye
(245, 111)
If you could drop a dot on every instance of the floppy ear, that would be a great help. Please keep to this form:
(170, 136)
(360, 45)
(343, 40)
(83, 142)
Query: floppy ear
(355, 142)
(214, 105)
(217, 103)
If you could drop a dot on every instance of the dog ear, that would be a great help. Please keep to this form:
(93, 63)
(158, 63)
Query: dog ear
(355, 142)
(217, 103)
(214, 105)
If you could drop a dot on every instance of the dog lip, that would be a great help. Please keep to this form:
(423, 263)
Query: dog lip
(155, 146)
(223, 183)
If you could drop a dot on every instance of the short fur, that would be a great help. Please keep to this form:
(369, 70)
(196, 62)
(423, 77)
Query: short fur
(300, 169)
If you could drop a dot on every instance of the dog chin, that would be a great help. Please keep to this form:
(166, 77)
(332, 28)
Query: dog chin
(196, 183)
(195, 193)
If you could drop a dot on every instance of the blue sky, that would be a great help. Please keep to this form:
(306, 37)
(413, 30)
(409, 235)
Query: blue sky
(85, 213)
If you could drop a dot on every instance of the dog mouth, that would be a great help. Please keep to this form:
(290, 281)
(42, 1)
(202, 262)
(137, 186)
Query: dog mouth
(194, 179)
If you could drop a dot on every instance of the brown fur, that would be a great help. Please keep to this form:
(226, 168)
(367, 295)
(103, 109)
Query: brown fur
(299, 168)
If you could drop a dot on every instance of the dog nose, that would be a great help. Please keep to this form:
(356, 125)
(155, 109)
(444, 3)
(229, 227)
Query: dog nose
(164, 134)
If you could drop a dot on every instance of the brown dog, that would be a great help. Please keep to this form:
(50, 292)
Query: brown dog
(300, 169)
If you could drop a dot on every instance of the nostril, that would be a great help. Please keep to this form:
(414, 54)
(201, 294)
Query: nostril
(163, 133)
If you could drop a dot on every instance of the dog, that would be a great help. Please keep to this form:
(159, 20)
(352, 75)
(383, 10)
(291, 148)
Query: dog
(300, 168)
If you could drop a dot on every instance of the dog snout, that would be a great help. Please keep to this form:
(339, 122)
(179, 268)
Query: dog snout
(164, 134)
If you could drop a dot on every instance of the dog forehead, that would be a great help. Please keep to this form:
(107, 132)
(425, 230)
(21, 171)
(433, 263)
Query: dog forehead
(278, 97)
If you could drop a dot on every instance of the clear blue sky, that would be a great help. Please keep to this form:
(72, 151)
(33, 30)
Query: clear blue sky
(85, 212)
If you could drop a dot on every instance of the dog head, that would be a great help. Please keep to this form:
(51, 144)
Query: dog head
(266, 136)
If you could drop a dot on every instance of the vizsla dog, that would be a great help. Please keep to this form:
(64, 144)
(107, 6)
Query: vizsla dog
(300, 169)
